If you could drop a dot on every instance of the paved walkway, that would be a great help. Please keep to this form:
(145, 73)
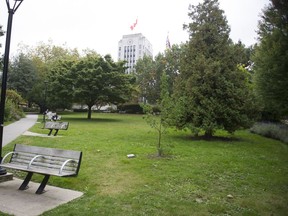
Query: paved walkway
(14, 130)
(27, 203)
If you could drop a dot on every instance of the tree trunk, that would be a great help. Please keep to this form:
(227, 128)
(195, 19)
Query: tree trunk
(208, 134)
(159, 141)
(89, 112)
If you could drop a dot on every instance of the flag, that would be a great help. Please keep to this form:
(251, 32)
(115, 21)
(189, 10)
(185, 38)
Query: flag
(134, 25)
(168, 45)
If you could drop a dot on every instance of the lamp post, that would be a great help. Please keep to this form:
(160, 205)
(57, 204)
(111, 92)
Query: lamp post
(12, 7)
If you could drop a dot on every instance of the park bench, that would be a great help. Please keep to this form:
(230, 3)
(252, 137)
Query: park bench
(44, 161)
(56, 126)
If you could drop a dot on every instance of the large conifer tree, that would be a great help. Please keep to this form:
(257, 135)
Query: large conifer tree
(211, 92)
(271, 60)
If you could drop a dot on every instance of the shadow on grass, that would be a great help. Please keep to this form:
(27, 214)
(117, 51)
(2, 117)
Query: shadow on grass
(209, 139)
(93, 120)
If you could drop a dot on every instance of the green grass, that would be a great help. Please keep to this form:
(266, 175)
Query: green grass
(194, 179)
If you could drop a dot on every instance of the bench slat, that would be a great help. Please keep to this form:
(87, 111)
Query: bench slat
(56, 125)
(39, 171)
(48, 151)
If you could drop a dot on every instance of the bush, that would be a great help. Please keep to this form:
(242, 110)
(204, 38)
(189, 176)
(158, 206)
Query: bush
(272, 130)
(12, 111)
(130, 108)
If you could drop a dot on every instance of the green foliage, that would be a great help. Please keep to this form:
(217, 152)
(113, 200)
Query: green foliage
(211, 92)
(13, 111)
(130, 108)
(30, 71)
(271, 60)
(148, 79)
(159, 121)
(22, 76)
(272, 130)
(149, 72)
(91, 80)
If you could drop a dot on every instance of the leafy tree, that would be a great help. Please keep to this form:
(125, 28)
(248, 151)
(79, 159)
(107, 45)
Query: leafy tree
(172, 63)
(148, 79)
(149, 72)
(93, 80)
(160, 122)
(271, 60)
(44, 57)
(60, 87)
(211, 92)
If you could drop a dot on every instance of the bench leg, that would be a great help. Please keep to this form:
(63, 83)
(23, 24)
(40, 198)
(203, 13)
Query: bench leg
(41, 188)
(56, 132)
(26, 181)
(50, 132)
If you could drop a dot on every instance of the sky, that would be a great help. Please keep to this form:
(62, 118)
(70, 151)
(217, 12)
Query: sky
(99, 25)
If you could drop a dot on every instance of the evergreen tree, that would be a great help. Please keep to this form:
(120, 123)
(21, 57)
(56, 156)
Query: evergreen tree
(22, 76)
(271, 60)
(211, 93)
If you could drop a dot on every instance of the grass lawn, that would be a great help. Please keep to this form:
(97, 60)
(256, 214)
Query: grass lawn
(243, 174)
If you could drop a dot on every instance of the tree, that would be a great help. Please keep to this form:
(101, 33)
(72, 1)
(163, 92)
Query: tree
(148, 79)
(271, 60)
(211, 92)
(22, 76)
(60, 86)
(149, 72)
(44, 58)
(172, 62)
(160, 122)
(94, 80)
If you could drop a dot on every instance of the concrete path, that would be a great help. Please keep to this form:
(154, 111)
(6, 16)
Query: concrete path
(27, 203)
(14, 130)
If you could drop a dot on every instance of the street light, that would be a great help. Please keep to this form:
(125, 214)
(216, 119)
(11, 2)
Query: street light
(12, 7)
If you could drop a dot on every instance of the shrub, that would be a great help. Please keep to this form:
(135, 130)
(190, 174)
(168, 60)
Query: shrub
(12, 111)
(272, 130)
(130, 108)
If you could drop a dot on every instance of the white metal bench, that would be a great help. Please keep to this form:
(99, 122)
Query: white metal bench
(45, 161)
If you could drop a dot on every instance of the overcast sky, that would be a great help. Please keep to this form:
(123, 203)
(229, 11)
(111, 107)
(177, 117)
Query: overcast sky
(99, 25)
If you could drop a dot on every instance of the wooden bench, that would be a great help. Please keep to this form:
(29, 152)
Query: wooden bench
(45, 161)
(56, 126)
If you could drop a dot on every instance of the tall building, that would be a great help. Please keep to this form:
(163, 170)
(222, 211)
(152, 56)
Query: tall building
(133, 47)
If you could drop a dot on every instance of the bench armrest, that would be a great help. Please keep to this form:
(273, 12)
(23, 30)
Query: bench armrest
(9, 153)
(63, 165)
(33, 160)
